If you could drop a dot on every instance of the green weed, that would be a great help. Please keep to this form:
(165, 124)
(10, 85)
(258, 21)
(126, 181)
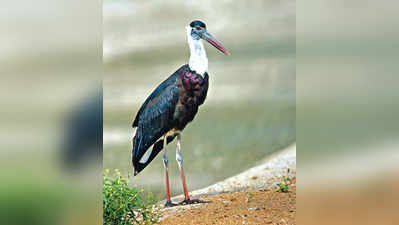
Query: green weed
(283, 186)
(123, 205)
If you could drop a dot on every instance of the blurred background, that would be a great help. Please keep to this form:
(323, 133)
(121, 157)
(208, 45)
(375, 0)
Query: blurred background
(346, 63)
(51, 70)
(250, 109)
(347, 112)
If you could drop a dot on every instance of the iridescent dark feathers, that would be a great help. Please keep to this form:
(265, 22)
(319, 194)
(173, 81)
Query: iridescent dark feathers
(171, 106)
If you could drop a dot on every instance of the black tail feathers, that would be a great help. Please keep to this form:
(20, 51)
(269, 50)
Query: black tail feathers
(157, 147)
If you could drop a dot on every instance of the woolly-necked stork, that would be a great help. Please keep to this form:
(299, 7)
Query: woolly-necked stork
(172, 105)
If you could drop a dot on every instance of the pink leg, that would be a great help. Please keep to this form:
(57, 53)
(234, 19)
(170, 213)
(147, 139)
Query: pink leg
(179, 159)
(165, 163)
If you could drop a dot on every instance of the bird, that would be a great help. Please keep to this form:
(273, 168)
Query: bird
(171, 106)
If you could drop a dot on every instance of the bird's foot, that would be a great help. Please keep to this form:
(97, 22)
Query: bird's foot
(191, 201)
(170, 204)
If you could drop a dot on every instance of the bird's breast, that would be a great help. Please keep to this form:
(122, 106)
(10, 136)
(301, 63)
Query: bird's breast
(192, 88)
(192, 92)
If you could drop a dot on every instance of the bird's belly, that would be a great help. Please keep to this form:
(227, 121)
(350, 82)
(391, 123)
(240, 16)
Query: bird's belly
(183, 115)
(172, 132)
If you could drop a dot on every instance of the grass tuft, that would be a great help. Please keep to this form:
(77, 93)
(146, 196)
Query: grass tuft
(283, 186)
(123, 205)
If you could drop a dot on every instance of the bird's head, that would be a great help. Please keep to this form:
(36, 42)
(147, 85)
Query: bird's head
(198, 31)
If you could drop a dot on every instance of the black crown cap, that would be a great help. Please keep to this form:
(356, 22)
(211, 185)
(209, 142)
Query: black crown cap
(197, 23)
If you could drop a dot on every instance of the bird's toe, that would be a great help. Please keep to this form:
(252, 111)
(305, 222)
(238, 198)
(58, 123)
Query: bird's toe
(170, 204)
(192, 201)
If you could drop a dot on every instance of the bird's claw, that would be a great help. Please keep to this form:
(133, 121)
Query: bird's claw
(191, 201)
(185, 202)
(170, 204)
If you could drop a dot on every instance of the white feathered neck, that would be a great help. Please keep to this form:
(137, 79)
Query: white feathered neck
(198, 60)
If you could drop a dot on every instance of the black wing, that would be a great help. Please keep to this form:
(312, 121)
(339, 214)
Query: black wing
(154, 119)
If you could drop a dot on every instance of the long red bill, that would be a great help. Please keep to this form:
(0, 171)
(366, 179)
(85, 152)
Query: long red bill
(208, 37)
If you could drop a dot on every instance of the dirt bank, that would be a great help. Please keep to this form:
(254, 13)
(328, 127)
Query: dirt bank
(247, 198)
(245, 207)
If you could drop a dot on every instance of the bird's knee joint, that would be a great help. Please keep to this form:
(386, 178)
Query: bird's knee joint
(165, 160)
(179, 158)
